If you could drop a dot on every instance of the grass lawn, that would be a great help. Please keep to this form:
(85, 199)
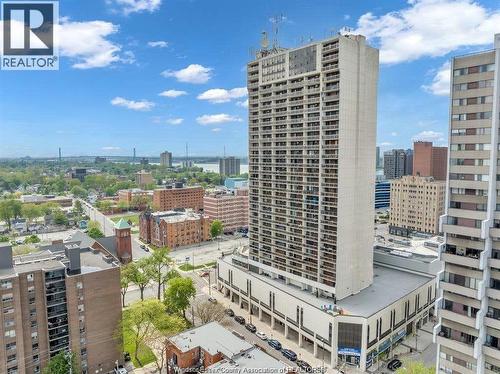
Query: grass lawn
(134, 218)
(146, 355)
(189, 267)
(24, 249)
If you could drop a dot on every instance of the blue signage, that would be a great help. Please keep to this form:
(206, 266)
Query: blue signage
(349, 351)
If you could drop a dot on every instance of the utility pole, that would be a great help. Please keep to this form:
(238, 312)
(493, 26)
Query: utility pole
(209, 285)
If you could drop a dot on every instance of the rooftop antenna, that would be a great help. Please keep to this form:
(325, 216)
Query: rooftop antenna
(276, 20)
(264, 41)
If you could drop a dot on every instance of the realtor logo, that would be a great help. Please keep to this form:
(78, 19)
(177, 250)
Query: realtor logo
(29, 38)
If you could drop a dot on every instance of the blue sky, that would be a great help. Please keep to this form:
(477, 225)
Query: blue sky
(118, 56)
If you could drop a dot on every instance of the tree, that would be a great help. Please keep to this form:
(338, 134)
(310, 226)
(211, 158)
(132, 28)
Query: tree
(60, 217)
(207, 311)
(77, 207)
(125, 280)
(79, 191)
(139, 322)
(62, 363)
(48, 208)
(139, 274)
(415, 367)
(6, 212)
(216, 229)
(158, 263)
(94, 230)
(31, 212)
(104, 205)
(178, 294)
(140, 202)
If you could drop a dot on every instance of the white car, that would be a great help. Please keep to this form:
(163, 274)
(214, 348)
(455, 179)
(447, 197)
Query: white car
(121, 371)
(261, 335)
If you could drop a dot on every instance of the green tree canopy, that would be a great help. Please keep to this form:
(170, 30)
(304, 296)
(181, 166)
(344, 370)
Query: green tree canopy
(415, 367)
(178, 294)
(62, 363)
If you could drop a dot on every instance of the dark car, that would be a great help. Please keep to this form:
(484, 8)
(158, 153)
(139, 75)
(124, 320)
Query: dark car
(274, 343)
(240, 320)
(395, 364)
(304, 366)
(229, 312)
(291, 355)
(251, 327)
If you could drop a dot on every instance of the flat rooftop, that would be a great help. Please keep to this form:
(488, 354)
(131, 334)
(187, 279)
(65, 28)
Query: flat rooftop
(252, 359)
(173, 216)
(389, 285)
(213, 338)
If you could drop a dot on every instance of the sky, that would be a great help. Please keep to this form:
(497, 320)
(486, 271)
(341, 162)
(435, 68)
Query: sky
(157, 74)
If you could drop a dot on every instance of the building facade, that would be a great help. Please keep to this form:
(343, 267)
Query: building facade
(468, 332)
(143, 178)
(64, 298)
(398, 162)
(166, 159)
(178, 197)
(131, 195)
(303, 105)
(382, 194)
(231, 208)
(229, 166)
(173, 228)
(417, 203)
(430, 161)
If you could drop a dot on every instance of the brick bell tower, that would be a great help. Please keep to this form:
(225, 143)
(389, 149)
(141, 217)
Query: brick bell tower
(123, 241)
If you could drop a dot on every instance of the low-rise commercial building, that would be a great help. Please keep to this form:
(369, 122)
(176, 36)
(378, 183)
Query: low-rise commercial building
(359, 329)
(416, 205)
(64, 298)
(236, 182)
(127, 196)
(178, 197)
(214, 349)
(173, 228)
(229, 207)
(63, 201)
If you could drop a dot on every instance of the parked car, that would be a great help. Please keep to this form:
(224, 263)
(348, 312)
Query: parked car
(251, 327)
(395, 364)
(275, 344)
(204, 274)
(212, 299)
(120, 371)
(229, 312)
(240, 320)
(304, 366)
(261, 335)
(143, 246)
(126, 356)
(291, 355)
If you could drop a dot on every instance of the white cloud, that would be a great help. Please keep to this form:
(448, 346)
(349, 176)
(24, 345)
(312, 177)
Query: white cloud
(110, 148)
(347, 17)
(136, 6)
(221, 95)
(87, 44)
(430, 28)
(142, 105)
(394, 133)
(175, 121)
(243, 104)
(172, 93)
(441, 82)
(216, 129)
(211, 119)
(193, 73)
(385, 144)
(430, 136)
(158, 44)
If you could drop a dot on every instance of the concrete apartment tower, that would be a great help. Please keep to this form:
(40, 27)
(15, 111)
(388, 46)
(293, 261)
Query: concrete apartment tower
(312, 124)
(468, 331)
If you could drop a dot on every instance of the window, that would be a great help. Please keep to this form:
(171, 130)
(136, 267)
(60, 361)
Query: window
(6, 297)
(6, 284)
(10, 333)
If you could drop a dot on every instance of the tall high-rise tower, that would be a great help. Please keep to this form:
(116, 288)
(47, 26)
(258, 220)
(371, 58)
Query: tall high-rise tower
(312, 125)
(468, 332)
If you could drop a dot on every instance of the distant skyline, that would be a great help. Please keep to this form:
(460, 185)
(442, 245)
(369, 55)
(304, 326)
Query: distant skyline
(156, 74)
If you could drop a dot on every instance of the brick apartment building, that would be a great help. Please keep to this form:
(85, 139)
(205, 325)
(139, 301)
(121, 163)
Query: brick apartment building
(178, 197)
(231, 208)
(66, 297)
(416, 205)
(430, 161)
(213, 348)
(127, 196)
(173, 228)
(143, 178)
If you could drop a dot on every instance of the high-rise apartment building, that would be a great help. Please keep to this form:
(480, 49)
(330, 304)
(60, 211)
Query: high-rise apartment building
(430, 161)
(66, 297)
(468, 332)
(229, 166)
(378, 161)
(166, 159)
(416, 205)
(312, 116)
(398, 162)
